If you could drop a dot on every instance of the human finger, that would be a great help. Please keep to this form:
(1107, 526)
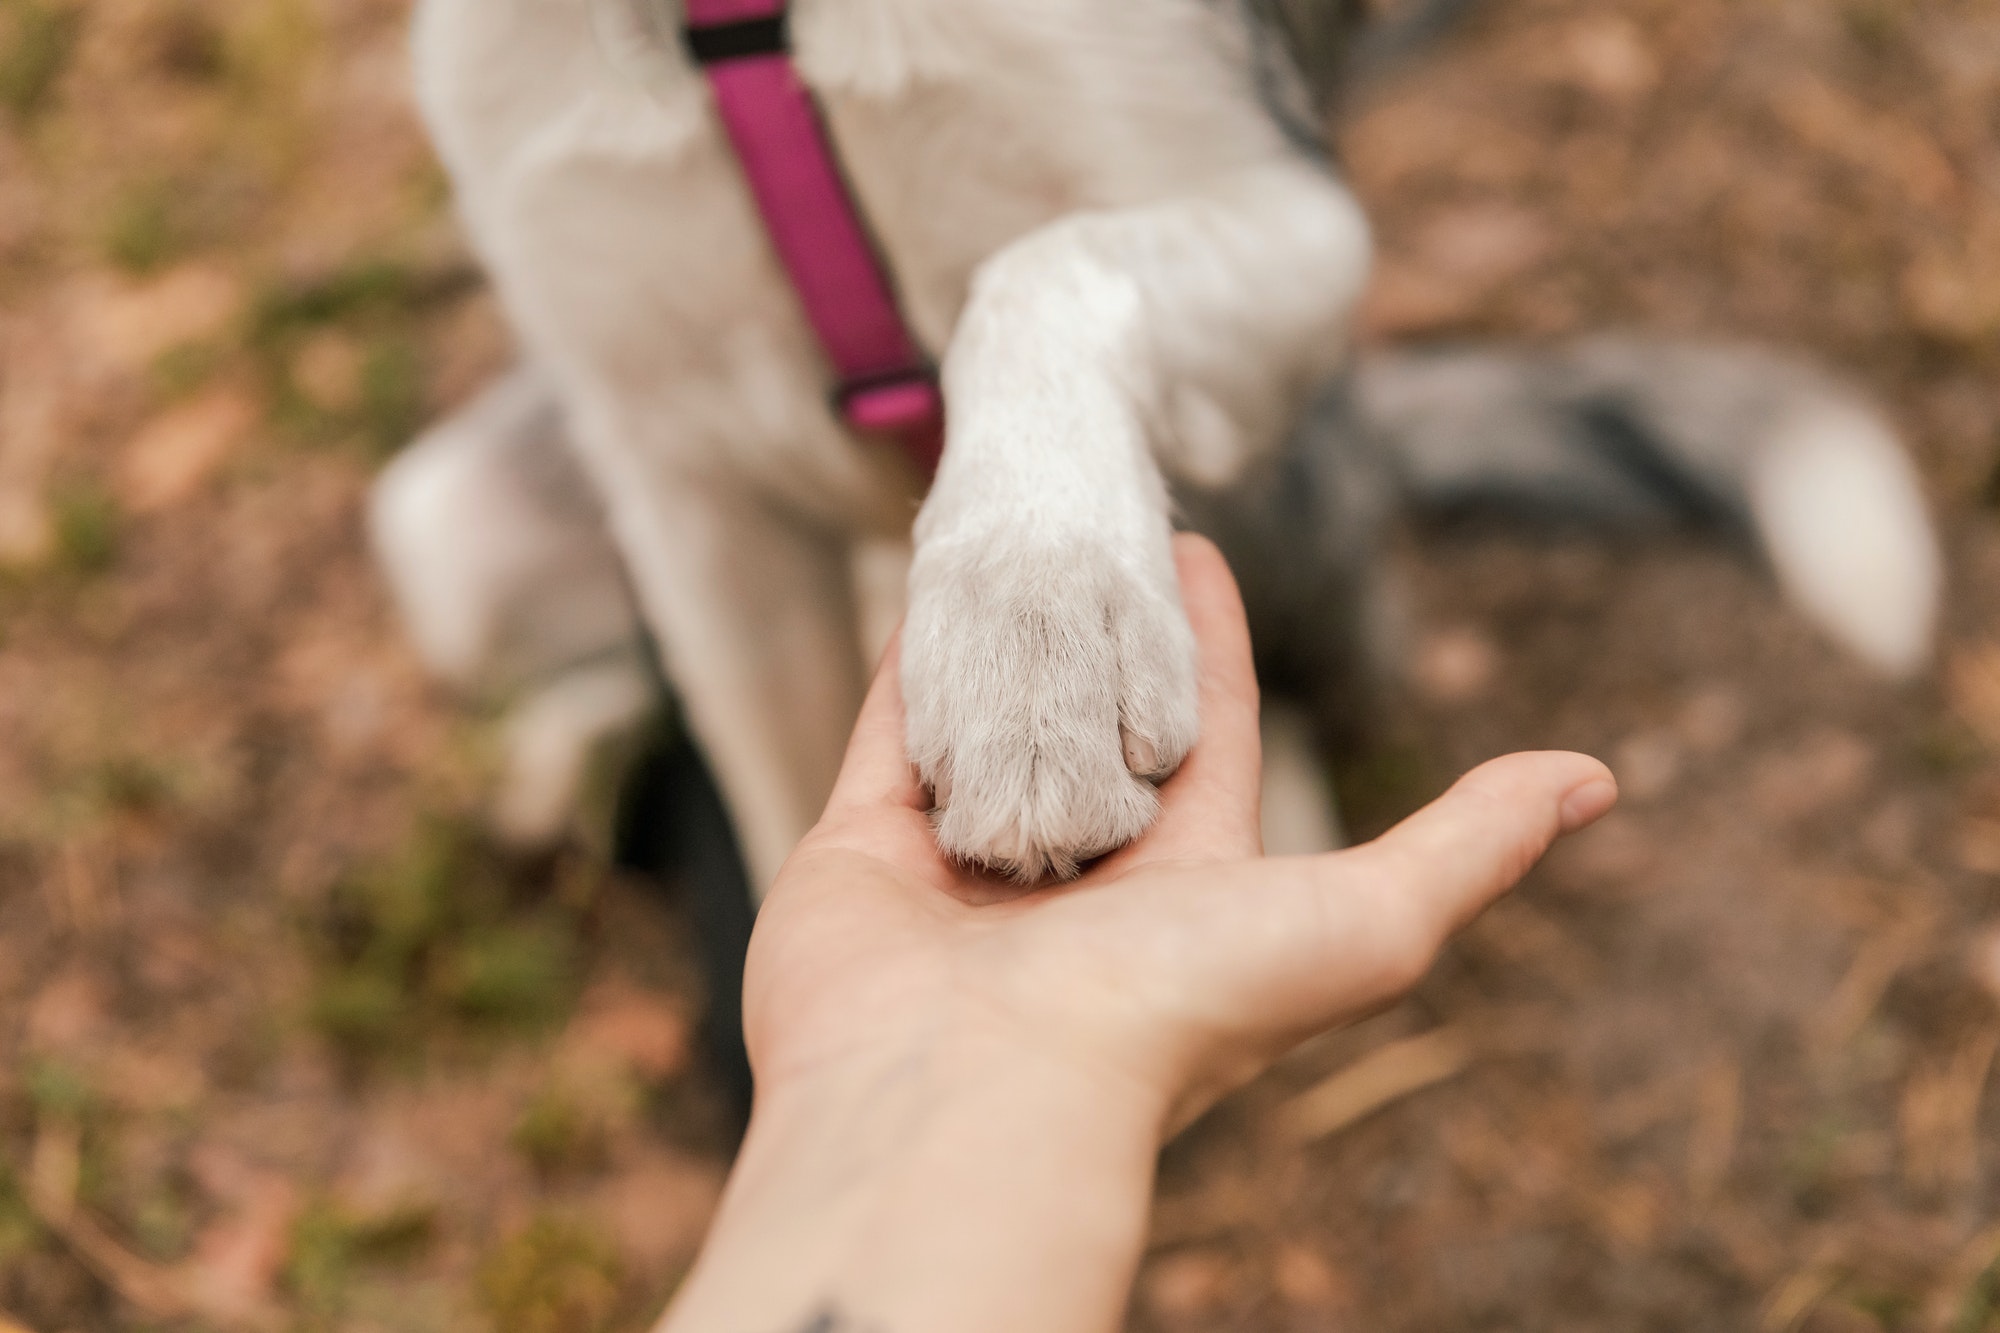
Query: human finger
(1209, 808)
(876, 772)
(1451, 859)
(1296, 945)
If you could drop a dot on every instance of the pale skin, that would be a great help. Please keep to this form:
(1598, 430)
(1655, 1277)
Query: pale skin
(963, 1085)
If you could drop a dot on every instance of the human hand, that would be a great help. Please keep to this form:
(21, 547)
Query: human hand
(962, 1084)
(1184, 963)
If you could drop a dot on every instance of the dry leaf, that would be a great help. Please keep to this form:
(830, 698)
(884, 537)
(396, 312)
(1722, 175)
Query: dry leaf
(658, 1207)
(1373, 1082)
(1712, 1141)
(1813, 776)
(1938, 1117)
(1868, 138)
(120, 327)
(1972, 682)
(1307, 1281)
(1188, 1284)
(1881, 956)
(1455, 666)
(639, 1031)
(328, 371)
(1610, 57)
(170, 458)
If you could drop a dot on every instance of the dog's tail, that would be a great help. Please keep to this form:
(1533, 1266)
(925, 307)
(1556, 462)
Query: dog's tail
(1636, 434)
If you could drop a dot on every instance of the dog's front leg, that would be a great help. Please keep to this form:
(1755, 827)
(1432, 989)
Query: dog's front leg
(1048, 667)
(755, 615)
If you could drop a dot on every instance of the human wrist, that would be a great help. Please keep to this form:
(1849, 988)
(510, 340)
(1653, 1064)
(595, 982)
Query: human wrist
(972, 1183)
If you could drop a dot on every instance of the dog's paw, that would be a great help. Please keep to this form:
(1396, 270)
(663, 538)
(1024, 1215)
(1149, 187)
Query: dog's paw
(1047, 689)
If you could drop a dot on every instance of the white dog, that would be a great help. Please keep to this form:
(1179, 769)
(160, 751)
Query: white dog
(1133, 276)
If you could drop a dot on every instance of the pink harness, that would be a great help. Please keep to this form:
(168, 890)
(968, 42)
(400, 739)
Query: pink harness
(886, 384)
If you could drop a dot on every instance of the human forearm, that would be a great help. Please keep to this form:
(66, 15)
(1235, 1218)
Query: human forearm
(963, 1187)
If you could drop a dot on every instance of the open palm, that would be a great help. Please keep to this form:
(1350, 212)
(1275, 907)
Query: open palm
(1187, 960)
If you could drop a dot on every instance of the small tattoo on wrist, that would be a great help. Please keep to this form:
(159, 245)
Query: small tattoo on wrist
(830, 1320)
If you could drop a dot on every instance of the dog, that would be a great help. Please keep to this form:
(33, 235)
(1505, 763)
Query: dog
(1115, 230)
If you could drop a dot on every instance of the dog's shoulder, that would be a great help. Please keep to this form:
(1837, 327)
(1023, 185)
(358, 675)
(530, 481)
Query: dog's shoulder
(505, 83)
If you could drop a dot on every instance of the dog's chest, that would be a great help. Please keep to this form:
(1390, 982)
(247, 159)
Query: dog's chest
(965, 125)
(602, 191)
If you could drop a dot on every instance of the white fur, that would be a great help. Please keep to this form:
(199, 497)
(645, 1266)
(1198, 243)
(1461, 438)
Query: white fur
(551, 737)
(501, 565)
(1844, 520)
(1119, 262)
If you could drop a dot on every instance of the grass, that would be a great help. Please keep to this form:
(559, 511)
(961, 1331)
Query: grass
(359, 1010)
(377, 302)
(57, 1091)
(392, 393)
(554, 1276)
(563, 1132)
(61, 1096)
(1946, 747)
(433, 936)
(266, 50)
(143, 230)
(20, 1230)
(1875, 25)
(133, 784)
(189, 45)
(329, 1243)
(182, 370)
(86, 523)
(511, 974)
(1979, 1312)
(36, 41)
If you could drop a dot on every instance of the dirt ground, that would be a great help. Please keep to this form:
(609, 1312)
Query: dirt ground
(283, 1047)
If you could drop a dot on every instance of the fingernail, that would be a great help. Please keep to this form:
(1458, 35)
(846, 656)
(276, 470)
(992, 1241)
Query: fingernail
(1587, 804)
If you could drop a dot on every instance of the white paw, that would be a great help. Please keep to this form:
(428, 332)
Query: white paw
(1048, 685)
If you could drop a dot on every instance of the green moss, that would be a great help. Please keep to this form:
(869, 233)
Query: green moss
(1887, 1306)
(367, 287)
(433, 935)
(392, 393)
(188, 44)
(86, 523)
(36, 42)
(328, 1243)
(133, 784)
(266, 50)
(163, 1224)
(378, 303)
(20, 1229)
(360, 1010)
(58, 1091)
(144, 231)
(1813, 1161)
(558, 1133)
(1947, 748)
(514, 974)
(556, 1276)
(181, 370)
(1979, 1308)
(1875, 25)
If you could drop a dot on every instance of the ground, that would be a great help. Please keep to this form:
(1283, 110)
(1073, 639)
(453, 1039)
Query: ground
(283, 1045)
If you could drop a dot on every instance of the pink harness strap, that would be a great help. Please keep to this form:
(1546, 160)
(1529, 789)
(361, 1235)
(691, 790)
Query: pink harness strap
(887, 385)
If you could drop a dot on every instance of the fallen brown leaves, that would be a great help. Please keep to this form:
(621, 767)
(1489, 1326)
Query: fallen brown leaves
(1373, 1082)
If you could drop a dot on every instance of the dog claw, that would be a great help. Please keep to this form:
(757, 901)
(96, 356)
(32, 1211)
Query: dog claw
(1141, 755)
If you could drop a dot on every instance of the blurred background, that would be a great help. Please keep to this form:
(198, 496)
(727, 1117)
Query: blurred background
(283, 1047)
